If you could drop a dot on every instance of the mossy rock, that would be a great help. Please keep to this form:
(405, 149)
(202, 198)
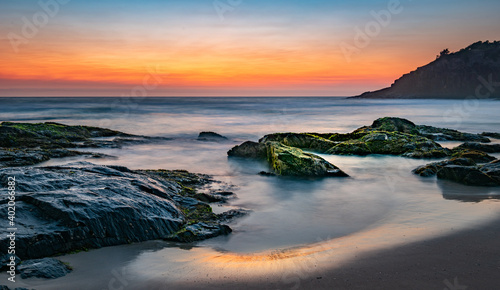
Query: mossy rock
(393, 124)
(311, 141)
(49, 135)
(291, 161)
(476, 155)
(391, 143)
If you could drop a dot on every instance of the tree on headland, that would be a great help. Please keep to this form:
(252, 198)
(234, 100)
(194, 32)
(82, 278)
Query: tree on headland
(443, 53)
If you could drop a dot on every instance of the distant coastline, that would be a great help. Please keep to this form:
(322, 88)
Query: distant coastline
(472, 72)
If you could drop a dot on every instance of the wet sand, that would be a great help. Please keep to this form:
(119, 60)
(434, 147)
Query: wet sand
(383, 257)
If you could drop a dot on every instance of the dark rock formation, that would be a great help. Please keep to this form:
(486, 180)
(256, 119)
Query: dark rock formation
(471, 175)
(312, 141)
(389, 136)
(432, 168)
(47, 268)
(82, 205)
(477, 156)
(491, 134)
(249, 149)
(489, 148)
(473, 72)
(391, 143)
(211, 136)
(24, 144)
(463, 170)
(392, 124)
(200, 231)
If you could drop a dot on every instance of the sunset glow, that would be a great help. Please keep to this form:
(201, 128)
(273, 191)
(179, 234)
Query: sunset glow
(254, 48)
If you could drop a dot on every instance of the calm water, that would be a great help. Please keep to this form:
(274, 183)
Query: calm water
(286, 212)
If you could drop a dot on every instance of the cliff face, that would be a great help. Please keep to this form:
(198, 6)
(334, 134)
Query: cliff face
(473, 72)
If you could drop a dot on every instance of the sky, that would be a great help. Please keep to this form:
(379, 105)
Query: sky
(228, 47)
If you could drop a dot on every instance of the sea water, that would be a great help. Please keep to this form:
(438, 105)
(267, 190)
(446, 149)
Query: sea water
(285, 212)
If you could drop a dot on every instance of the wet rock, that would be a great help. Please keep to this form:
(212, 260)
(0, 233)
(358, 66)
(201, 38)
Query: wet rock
(479, 175)
(393, 124)
(47, 268)
(232, 214)
(491, 134)
(3, 287)
(291, 161)
(200, 231)
(477, 156)
(432, 168)
(211, 136)
(468, 175)
(488, 148)
(209, 198)
(49, 135)
(82, 205)
(10, 157)
(265, 173)
(310, 141)
(249, 149)
(7, 258)
(391, 143)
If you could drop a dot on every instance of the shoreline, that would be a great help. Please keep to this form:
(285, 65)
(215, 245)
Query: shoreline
(378, 258)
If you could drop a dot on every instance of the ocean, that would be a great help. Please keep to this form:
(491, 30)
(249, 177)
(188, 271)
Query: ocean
(287, 212)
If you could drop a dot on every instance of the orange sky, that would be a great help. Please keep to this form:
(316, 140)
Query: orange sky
(199, 54)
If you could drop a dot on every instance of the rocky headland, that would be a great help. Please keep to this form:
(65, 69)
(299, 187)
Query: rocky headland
(472, 72)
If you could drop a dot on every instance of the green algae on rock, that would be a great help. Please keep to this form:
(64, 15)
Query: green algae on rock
(394, 124)
(391, 143)
(291, 161)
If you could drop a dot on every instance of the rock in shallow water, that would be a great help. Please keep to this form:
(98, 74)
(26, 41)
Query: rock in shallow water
(432, 168)
(82, 205)
(211, 136)
(292, 161)
(249, 149)
(47, 268)
(199, 231)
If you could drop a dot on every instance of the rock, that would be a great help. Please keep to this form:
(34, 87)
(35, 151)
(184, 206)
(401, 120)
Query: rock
(393, 124)
(477, 156)
(489, 148)
(23, 144)
(209, 198)
(310, 141)
(210, 136)
(249, 149)
(491, 134)
(24, 157)
(5, 259)
(265, 173)
(47, 268)
(492, 169)
(233, 214)
(82, 205)
(3, 287)
(432, 168)
(391, 143)
(199, 231)
(291, 161)
(49, 135)
(468, 175)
